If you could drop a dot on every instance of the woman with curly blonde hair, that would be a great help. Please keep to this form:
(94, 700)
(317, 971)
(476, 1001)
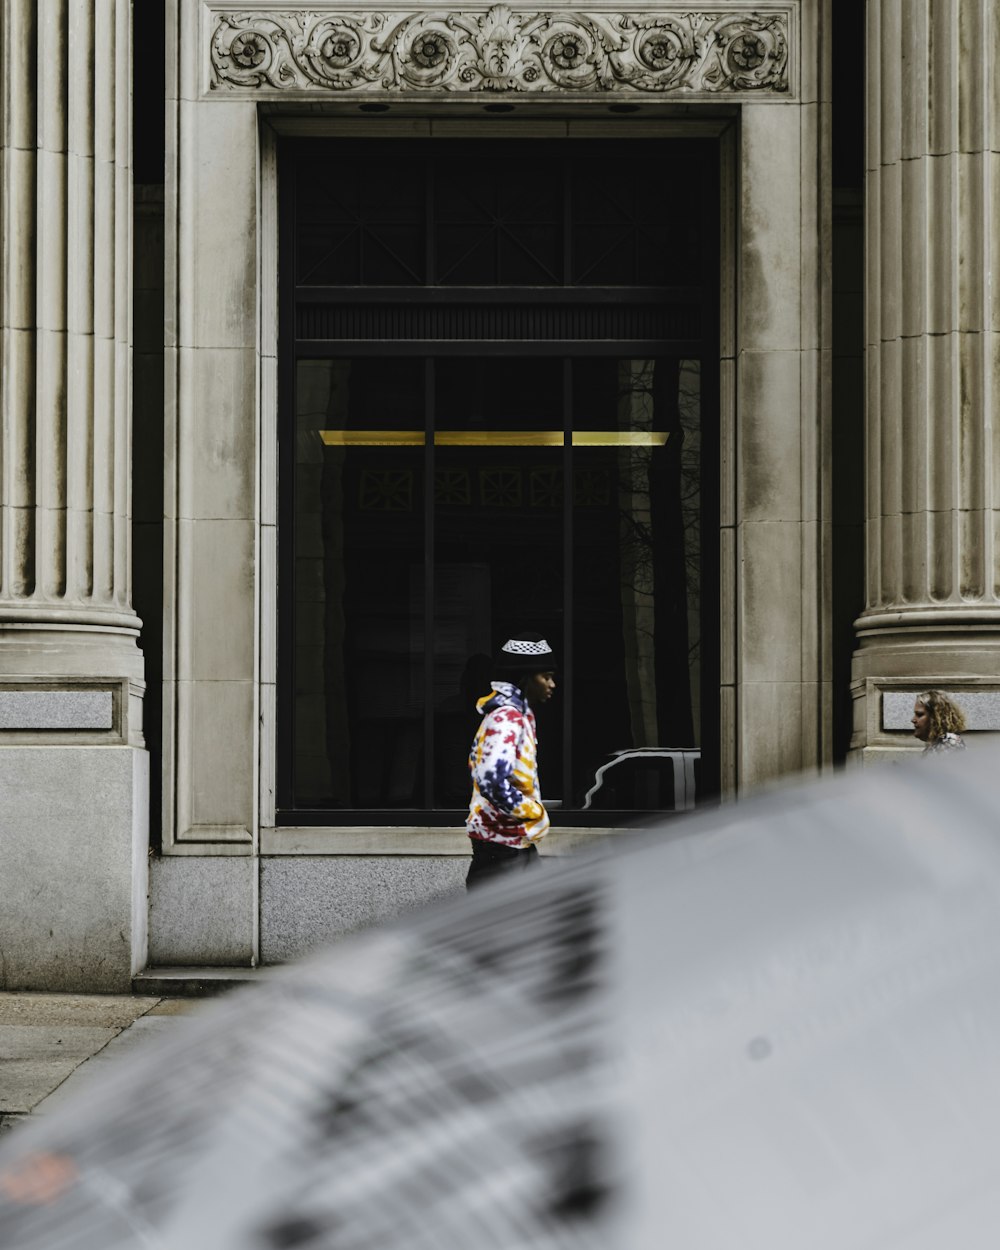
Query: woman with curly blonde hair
(938, 721)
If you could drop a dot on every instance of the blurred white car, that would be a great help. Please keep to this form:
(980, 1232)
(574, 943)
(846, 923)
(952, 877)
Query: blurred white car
(770, 1027)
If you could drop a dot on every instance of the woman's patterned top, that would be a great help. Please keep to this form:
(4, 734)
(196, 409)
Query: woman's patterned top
(506, 800)
(947, 742)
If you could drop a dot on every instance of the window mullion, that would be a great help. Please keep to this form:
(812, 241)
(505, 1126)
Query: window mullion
(429, 557)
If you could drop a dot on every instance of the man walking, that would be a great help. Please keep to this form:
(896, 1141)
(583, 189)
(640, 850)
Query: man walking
(506, 817)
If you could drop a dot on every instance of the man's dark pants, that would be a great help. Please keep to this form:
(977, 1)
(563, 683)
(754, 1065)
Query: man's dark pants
(493, 859)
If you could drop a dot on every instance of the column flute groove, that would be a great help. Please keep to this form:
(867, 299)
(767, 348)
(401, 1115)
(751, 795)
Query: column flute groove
(17, 312)
(51, 258)
(82, 222)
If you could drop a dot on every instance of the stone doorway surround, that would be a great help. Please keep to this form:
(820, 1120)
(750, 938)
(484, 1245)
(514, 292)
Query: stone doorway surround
(230, 887)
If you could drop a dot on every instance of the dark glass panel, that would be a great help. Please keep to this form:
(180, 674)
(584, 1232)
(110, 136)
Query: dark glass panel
(492, 213)
(499, 220)
(643, 223)
(498, 569)
(361, 221)
(498, 393)
(498, 552)
(359, 563)
(372, 393)
(636, 594)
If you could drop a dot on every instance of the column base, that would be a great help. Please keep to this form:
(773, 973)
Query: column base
(902, 652)
(74, 852)
(102, 645)
(74, 822)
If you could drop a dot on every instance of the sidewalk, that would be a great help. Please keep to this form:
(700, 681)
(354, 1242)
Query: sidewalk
(51, 1044)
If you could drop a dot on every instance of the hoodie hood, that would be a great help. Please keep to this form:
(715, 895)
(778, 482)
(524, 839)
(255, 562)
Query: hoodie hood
(503, 694)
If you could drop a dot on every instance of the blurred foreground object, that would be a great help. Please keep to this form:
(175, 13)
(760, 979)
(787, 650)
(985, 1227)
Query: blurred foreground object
(778, 1029)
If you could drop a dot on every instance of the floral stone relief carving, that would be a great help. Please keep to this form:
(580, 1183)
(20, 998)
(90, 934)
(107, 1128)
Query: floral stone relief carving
(500, 49)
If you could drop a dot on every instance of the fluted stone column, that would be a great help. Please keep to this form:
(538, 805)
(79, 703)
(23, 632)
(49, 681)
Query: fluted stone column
(933, 357)
(72, 770)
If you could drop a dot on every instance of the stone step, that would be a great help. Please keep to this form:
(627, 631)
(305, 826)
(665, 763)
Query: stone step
(195, 982)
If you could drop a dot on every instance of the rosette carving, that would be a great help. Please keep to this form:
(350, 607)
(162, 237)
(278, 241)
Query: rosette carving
(335, 53)
(425, 52)
(665, 54)
(501, 49)
(748, 53)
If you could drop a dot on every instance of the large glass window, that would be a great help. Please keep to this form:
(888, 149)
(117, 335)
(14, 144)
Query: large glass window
(516, 443)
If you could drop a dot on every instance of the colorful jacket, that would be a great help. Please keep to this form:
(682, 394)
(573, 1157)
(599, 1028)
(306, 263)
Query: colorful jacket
(506, 800)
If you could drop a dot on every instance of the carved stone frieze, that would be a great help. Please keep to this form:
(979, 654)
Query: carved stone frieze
(500, 50)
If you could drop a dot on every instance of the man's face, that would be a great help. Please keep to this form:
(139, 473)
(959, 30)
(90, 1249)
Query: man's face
(539, 687)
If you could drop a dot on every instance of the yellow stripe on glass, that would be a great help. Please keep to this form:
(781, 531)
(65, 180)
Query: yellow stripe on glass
(620, 438)
(372, 438)
(498, 438)
(494, 438)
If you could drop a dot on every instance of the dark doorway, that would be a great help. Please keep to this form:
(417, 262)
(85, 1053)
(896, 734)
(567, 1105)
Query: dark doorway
(498, 411)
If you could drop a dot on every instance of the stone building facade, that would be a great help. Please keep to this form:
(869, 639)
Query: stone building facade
(286, 288)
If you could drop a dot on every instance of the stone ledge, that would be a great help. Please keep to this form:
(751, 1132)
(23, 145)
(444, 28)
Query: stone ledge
(195, 982)
(405, 840)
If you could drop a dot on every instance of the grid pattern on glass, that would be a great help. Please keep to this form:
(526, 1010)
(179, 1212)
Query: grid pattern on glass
(503, 214)
(360, 222)
(499, 224)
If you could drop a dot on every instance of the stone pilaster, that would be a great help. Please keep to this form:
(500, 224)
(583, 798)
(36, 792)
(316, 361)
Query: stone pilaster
(65, 321)
(72, 853)
(932, 215)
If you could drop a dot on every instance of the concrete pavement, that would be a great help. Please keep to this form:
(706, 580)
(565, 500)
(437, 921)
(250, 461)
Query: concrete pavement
(51, 1044)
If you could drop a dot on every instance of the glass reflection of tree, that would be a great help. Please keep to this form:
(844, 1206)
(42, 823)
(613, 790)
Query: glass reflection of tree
(660, 536)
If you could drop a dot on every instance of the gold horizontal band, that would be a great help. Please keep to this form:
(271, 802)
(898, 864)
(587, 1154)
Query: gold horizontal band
(620, 438)
(498, 438)
(494, 438)
(372, 438)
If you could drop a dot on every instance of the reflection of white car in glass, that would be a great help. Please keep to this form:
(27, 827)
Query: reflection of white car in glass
(646, 779)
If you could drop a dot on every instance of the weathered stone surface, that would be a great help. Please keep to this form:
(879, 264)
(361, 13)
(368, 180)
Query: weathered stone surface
(146, 1030)
(73, 820)
(73, 867)
(201, 910)
(306, 901)
(52, 1045)
(176, 1007)
(933, 373)
(56, 709)
(27, 1081)
(44, 1042)
(93, 1011)
(981, 708)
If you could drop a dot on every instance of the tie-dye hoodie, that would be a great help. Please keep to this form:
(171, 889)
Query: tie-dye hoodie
(506, 800)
